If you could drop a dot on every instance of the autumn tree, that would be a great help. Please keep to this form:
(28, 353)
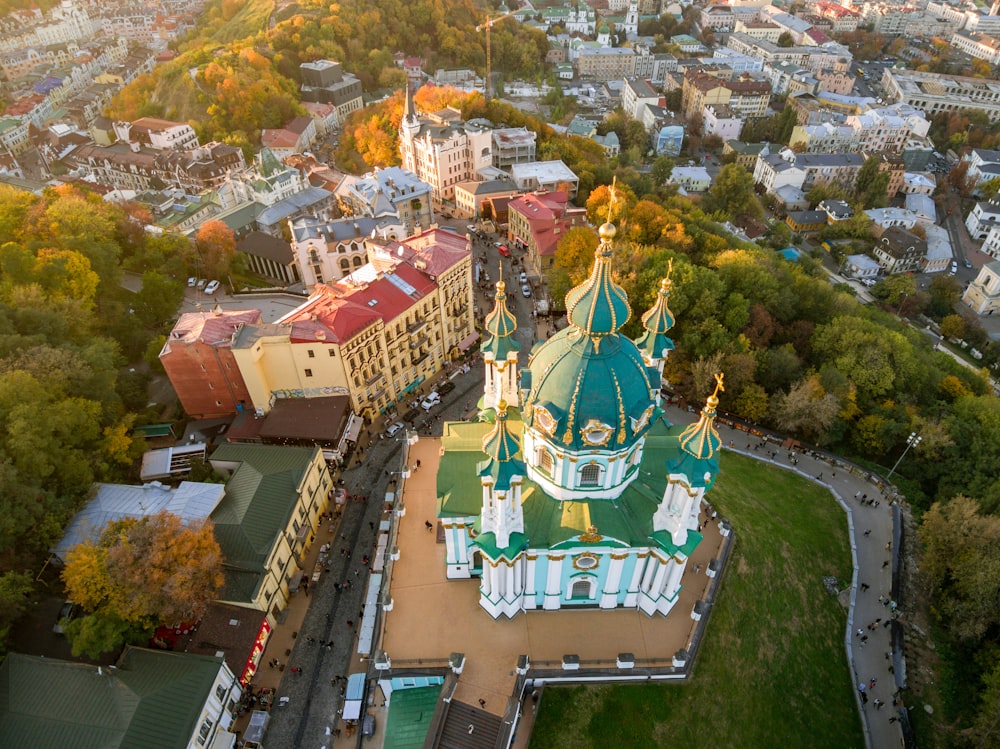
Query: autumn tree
(216, 247)
(146, 571)
(806, 409)
(732, 194)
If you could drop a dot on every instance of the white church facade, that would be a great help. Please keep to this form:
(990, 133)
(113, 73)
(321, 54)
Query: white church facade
(573, 491)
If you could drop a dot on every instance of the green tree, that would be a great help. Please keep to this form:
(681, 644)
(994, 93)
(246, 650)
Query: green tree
(786, 40)
(732, 194)
(14, 590)
(752, 404)
(156, 305)
(807, 409)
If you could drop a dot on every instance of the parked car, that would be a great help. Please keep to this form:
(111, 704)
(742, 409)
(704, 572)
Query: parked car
(954, 267)
(66, 613)
(524, 277)
(967, 263)
(212, 287)
(504, 251)
(202, 282)
(394, 429)
(526, 290)
(869, 282)
(446, 387)
(191, 282)
(432, 399)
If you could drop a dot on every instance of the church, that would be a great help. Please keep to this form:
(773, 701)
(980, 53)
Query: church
(572, 490)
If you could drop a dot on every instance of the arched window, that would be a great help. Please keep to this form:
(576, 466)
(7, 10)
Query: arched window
(545, 461)
(345, 265)
(357, 262)
(581, 588)
(590, 475)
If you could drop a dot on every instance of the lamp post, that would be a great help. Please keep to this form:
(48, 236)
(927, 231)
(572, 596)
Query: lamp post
(912, 441)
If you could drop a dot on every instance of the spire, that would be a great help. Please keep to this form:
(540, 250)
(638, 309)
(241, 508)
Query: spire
(701, 440)
(409, 112)
(654, 343)
(599, 306)
(502, 448)
(500, 444)
(500, 324)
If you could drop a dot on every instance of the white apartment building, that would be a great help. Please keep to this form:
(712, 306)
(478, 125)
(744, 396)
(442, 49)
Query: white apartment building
(977, 45)
(443, 152)
(936, 92)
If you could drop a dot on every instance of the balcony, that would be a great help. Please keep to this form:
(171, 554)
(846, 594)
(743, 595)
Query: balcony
(418, 358)
(418, 342)
(416, 327)
(374, 378)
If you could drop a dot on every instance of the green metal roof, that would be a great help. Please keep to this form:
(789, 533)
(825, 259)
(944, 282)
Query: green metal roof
(550, 523)
(579, 379)
(153, 700)
(500, 324)
(657, 321)
(260, 498)
(409, 718)
(599, 306)
(502, 448)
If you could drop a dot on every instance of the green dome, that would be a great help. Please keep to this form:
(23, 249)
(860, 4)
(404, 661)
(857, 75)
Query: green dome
(588, 392)
(502, 448)
(657, 321)
(500, 324)
(599, 306)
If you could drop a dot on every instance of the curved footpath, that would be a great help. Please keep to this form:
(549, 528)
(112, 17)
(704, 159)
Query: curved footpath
(868, 635)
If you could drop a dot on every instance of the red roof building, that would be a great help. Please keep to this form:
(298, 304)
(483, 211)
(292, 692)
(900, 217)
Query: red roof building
(199, 361)
(537, 222)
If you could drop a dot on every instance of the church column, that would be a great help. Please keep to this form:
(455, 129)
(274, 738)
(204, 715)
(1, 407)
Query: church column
(529, 582)
(553, 583)
(674, 578)
(661, 575)
(652, 566)
(487, 585)
(632, 594)
(613, 582)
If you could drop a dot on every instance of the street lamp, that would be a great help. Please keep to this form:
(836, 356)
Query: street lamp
(912, 441)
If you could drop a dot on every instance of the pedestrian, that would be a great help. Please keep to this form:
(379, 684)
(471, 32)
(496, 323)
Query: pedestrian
(888, 545)
(418, 464)
(482, 703)
(371, 526)
(871, 684)
(350, 624)
(429, 525)
(819, 477)
(878, 703)
(893, 719)
(864, 639)
(857, 494)
(864, 587)
(868, 532)
(310, 638)
(860, 631)
(885, 564)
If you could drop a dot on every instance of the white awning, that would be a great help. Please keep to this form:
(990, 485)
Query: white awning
(354, 425)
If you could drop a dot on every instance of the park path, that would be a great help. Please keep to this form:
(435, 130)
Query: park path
(870, 655)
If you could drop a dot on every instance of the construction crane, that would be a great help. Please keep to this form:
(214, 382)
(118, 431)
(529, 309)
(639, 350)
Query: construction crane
(489, 47)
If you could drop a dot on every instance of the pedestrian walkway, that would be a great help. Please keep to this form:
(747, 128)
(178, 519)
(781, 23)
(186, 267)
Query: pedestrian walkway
(870, 611)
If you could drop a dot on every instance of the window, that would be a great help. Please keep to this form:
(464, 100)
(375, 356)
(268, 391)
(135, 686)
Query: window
(590, 475)
(332, 352)
(309, 373)
(312, 354)
(581, 589)
(545, 461)
(220, 692)
(204, 731)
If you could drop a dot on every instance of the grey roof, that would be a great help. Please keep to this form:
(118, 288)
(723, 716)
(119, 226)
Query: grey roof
(152, 700)
(261, 496)
(355, 227)
(264, 245)
(292, 205)
(191, 501)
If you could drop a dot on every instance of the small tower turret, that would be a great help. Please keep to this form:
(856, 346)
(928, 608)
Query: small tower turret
(654, 344)
(500, 352)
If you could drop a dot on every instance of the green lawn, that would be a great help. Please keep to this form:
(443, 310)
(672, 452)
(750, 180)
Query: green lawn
(772, 670)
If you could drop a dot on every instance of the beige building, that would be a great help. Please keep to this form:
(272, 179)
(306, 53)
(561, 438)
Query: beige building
(443, 151)
(983, 294)
(746, 96)
(374, 335)
(606, 63)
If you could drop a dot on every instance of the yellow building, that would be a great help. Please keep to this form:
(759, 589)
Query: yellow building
(275, 493)
(375, 335)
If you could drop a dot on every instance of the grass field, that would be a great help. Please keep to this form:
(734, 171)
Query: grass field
(772, 671)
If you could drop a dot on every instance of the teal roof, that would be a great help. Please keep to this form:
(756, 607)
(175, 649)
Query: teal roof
(152, 700)
(500, 324)
(654, 343)
(580, 380)
(550, 523)
(501, 448)
(700, 446)
(409, 718)
(599, 306)
(261, 496)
